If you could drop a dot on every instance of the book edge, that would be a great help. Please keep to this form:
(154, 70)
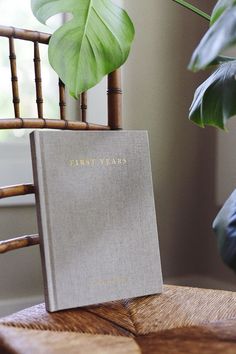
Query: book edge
(41, 211)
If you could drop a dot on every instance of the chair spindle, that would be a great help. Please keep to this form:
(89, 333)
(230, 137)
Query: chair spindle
(19, 189)
(14, 78)
(38, 80)
(114, 100)
(18, 242)
(84, 106)
(62, 100)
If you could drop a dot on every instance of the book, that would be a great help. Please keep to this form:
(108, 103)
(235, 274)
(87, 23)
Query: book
(96, 216)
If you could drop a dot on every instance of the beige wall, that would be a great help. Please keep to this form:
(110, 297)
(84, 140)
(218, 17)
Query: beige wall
(158, 91)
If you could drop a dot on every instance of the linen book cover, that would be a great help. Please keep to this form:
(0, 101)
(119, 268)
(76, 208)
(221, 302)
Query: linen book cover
(96, 216)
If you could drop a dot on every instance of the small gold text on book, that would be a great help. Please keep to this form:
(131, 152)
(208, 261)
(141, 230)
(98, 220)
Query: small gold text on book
(97, 162)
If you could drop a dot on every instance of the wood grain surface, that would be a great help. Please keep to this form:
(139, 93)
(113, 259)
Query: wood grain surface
(211, 338)
(181, 320)
(21, 341)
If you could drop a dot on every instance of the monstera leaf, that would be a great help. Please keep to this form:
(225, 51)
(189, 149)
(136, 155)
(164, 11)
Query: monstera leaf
(94, 43)
(220, 36)
(214, 101)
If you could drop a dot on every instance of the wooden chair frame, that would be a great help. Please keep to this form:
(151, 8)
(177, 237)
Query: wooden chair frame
(114, 103)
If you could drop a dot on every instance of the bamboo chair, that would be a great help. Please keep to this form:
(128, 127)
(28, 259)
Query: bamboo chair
(41, 122)
(181, 320)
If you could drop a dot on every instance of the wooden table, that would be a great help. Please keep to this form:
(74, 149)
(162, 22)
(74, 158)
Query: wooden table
(181, 320)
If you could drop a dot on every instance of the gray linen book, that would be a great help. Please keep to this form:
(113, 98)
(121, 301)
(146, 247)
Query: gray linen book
(96, 216)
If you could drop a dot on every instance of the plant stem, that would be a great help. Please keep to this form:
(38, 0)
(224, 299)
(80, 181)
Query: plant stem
(193, 9)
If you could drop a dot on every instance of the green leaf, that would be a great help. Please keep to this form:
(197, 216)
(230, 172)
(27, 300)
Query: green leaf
(94, 43)
(224, 227)
(214, 101)
(219, 8)
(219, 37)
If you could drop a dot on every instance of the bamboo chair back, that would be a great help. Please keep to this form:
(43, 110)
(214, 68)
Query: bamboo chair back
(41, 122)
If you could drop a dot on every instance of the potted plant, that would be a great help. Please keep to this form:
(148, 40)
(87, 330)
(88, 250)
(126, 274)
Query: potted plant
(214, 101)
(97, 40)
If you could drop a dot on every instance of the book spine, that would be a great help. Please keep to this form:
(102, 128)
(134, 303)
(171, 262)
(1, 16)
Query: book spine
(42, 220)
